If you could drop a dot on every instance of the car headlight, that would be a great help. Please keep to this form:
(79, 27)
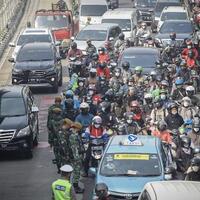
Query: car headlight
(23, 132)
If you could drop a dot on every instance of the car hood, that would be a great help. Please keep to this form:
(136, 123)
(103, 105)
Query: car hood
(15, 123)
(34, 65)
(127, 184)
(82, 44)
(179, 36)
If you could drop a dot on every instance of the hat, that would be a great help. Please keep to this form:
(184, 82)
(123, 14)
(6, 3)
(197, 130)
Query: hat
(66, 168)
(67, 121)
(57, 110)
(77, 125)
(58, 99)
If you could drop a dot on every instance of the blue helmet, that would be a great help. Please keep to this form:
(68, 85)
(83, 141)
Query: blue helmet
(69, 94)
(188, 122)
(179, 81)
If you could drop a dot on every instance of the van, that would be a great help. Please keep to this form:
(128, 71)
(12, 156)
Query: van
(164, 190)
(125, 18)
(93, 9)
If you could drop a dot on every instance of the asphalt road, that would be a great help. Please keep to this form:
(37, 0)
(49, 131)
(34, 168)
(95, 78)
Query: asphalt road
(22, 179)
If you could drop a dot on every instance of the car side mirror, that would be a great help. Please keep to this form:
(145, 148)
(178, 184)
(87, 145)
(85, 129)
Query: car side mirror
(11, 44)
(12, 60)
(93, 171)
(34, 109)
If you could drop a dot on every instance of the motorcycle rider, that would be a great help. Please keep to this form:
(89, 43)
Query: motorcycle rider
(116, 77)
(74, 51)
(190, 92)
(120, 43)
(126, 71)
(178, 91)
(103, 70)
(93, 131)
(90, 49)
(93, 79)
(186, 110)
(143, 31)
(138, 76)
(62, 5)
(103, 55)
(101, 191)
(195, 133)
(109, 49)
(85, 118)
(193, 172)
(148, 104)
(191, 47)
(162, 132)
(173, 119)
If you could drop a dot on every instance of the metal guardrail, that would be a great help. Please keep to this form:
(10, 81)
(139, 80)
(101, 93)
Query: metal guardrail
(11, 13)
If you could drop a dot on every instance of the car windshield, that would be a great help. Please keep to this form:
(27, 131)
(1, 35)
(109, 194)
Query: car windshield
(160, 6)
(51, 21)
(130, 165)
(146, 3)
(124, 24)
(93, 10)
(147, 61)
(95, 35)
(177, 27)
(12, 107)
(24, 39)
(35, 55)
(173, 16)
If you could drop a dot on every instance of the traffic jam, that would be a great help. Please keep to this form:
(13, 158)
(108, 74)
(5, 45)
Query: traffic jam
(123, 80)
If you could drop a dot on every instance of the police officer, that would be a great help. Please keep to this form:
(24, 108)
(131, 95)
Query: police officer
(55, 127)
(77, 154)
(57, 104)
(63, 140)
(62, 189)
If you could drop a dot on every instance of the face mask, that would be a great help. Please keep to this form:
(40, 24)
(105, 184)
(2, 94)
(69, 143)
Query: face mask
(196, 130)
(186, 104)
(90, 92)
(81, 84)
(174, 112)
(189, 47)
(143, 27)
(195, 168)
(97, 125)
(129, 121)
(163, 96)
(117, 74)
(100, 52)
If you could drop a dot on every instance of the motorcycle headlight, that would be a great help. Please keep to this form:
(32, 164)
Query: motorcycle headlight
(23, 132)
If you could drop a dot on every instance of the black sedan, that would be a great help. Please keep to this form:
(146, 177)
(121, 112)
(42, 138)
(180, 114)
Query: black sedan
(141, 56)
(182, 28)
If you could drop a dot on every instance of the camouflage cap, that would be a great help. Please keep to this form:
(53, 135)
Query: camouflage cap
(58, 99)
(57, 110)
(77, 125)
(67, 121)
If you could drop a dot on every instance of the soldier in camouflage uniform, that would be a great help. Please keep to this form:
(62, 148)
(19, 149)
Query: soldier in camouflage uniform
(57, 104)
(55, 127)
(63, 139)
(77, 149)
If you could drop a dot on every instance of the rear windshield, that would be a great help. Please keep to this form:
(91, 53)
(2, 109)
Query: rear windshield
(51, 21)
(160, 6)
(24, 39)
(124, 24)
(174, 16)
(35, 55)
(146, 3)
(93, 10)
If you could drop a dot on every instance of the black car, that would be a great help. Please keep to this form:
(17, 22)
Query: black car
(37, 65)
(141, 56)
(112, 4)
(19, 126)
(182, 28)
(145, 9)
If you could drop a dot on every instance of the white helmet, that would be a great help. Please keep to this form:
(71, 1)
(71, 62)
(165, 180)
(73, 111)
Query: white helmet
(190, 88)
(84, 105)
(66, 168)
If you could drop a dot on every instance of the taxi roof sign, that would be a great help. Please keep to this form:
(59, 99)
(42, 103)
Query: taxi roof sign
(131, 140)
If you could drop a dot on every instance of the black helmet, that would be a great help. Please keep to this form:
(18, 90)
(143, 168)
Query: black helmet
(172, 105)
(109, 95)
(73, 45)
(121, 36)
(101, 190)
(196, 150)
(195, 161)
(162, 125)
(101, 49)
(126, 65)
(185, 141)
(159, 78)
(172, 36)
(158, 103)
(105, 106)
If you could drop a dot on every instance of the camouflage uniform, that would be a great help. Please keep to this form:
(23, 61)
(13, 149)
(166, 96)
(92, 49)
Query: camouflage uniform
(55, 128)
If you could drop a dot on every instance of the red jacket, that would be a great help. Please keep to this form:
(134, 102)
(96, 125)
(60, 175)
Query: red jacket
(104, 58)
(186, 50)
(95, 132)
(103, 72)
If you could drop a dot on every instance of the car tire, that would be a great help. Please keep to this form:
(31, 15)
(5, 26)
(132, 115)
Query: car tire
(55, 87)
(61, 79)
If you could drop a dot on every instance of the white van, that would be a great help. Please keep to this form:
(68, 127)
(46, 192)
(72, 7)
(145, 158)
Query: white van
(173, 190)
(93, 9)
(125, 18)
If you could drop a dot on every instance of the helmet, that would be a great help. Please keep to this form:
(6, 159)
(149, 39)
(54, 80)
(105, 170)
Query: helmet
(101, 49)
(196, 150)
(129, 117)
(169, 173)
(172, 105)
(69, 94)
(195, 161)
(159, 78)
(66, 168)
(101, 190)
(148, 96)
(190, 90)
(102, 65)
(117, 72)
(185, 141)
(95, 56)
(139, 69)
(164, 83)
(179, 81)
(162, 125)
(73, 45)
(109, 95)
(153, 73)
(125, 65)
(97, 121)
(121, 36)
(105, 106)
(186, 101)
(158, 103)
(172, 36)
(84, 107)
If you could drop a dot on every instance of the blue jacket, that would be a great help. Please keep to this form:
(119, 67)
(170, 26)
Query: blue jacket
(85, 120)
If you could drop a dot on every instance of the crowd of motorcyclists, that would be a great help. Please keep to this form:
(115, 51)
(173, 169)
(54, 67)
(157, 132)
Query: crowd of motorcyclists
(103, 99)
